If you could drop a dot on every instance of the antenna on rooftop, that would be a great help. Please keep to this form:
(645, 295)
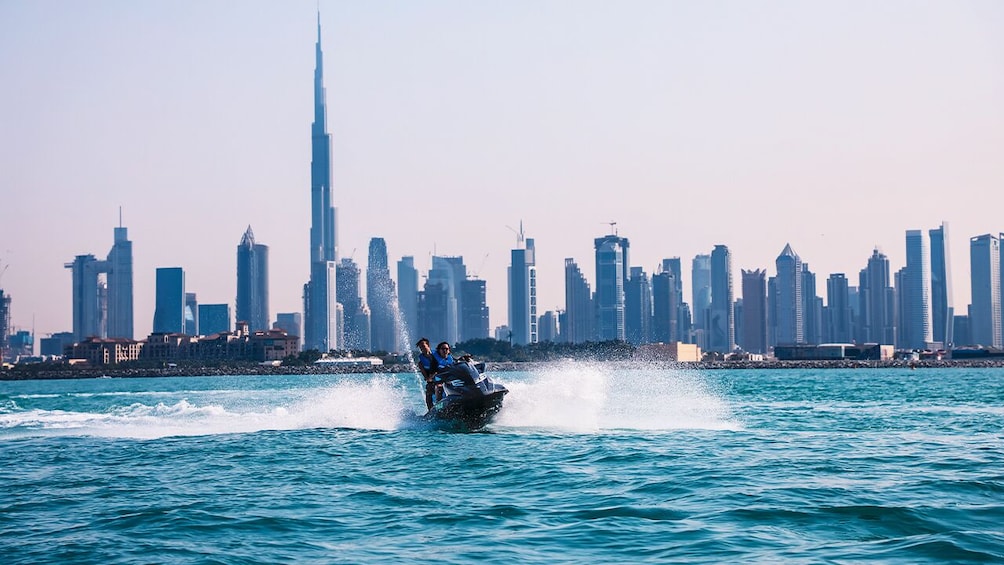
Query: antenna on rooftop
(613, 226)
(520, 236)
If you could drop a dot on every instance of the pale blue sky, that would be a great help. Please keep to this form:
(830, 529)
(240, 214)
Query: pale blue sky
(835, 126)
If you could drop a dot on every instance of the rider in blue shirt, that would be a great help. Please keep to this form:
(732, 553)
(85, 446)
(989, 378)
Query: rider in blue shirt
(429, 366)
(443, 359)
(443, 356)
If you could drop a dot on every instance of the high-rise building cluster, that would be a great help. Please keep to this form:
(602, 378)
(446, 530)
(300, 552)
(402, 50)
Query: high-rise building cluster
(450, 306)
(911, 308)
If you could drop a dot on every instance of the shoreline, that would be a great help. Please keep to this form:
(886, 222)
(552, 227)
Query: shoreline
(41, 372)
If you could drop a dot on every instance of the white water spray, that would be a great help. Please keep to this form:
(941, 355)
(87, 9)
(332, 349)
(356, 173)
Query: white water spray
(585, 397)
(569, 397)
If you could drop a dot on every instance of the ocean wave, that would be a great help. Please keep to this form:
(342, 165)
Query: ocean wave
(934, 547)
(8, 405)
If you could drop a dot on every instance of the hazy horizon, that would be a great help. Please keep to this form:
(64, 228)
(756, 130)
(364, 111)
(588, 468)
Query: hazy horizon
(832, 126)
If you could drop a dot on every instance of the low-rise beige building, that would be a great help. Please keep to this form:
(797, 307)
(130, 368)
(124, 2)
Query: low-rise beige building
(106, 351)
(674, 351)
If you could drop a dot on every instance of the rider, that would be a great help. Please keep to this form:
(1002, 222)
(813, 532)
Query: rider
(443, 356)
(429, 365)
(443, 359)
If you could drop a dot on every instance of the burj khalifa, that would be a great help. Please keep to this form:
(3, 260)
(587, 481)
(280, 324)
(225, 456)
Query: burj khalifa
(319, 301)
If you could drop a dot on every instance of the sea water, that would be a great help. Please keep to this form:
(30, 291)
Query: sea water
(584, 464)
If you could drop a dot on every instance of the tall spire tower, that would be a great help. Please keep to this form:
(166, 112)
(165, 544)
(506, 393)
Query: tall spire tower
(319, 303)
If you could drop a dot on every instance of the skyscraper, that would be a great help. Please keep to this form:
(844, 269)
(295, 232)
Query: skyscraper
(102, 292)
(772, 312)
(960, 329)
(363, 321)
(433, 310)
(450, 272)
(737, 315)
(722, 323)
(21, 343)
(548, 327)
(289, 322)
(681, 311)
(474, 310)
(381, 297)
(839, 316)
(877, 301)
(915, 294)
(191, 314)
(55, 344)
(754, 334)
(357, 323)
(638, 307)
(319, 292)
(90, 305)
(942, 308)
(665, 307)
(120, 294)
(854, 301)
(790, 306)
(812, 308)
(701, 289)
(214, 318)
(985, 278)
(169, 314)
(5, 325)
(407, 300)
(523, 291)
(580, 312)
(611, 277)
(252, 283)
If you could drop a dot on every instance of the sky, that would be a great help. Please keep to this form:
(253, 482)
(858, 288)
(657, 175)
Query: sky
(832, 126)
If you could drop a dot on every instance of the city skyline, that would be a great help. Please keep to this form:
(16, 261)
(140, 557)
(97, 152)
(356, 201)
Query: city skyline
(168, 129)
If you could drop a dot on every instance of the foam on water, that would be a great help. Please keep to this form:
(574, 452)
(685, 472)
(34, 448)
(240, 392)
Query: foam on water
(575, 397)
(376, 403)
(137, 421)
(583, 397)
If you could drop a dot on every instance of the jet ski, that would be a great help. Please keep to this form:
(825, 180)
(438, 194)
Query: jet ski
(470, 398)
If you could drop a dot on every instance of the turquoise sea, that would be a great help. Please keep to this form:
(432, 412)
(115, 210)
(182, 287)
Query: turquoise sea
(585, 464)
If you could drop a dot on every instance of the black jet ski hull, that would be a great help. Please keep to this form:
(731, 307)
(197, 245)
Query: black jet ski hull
(467, 413)
(470, 398)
